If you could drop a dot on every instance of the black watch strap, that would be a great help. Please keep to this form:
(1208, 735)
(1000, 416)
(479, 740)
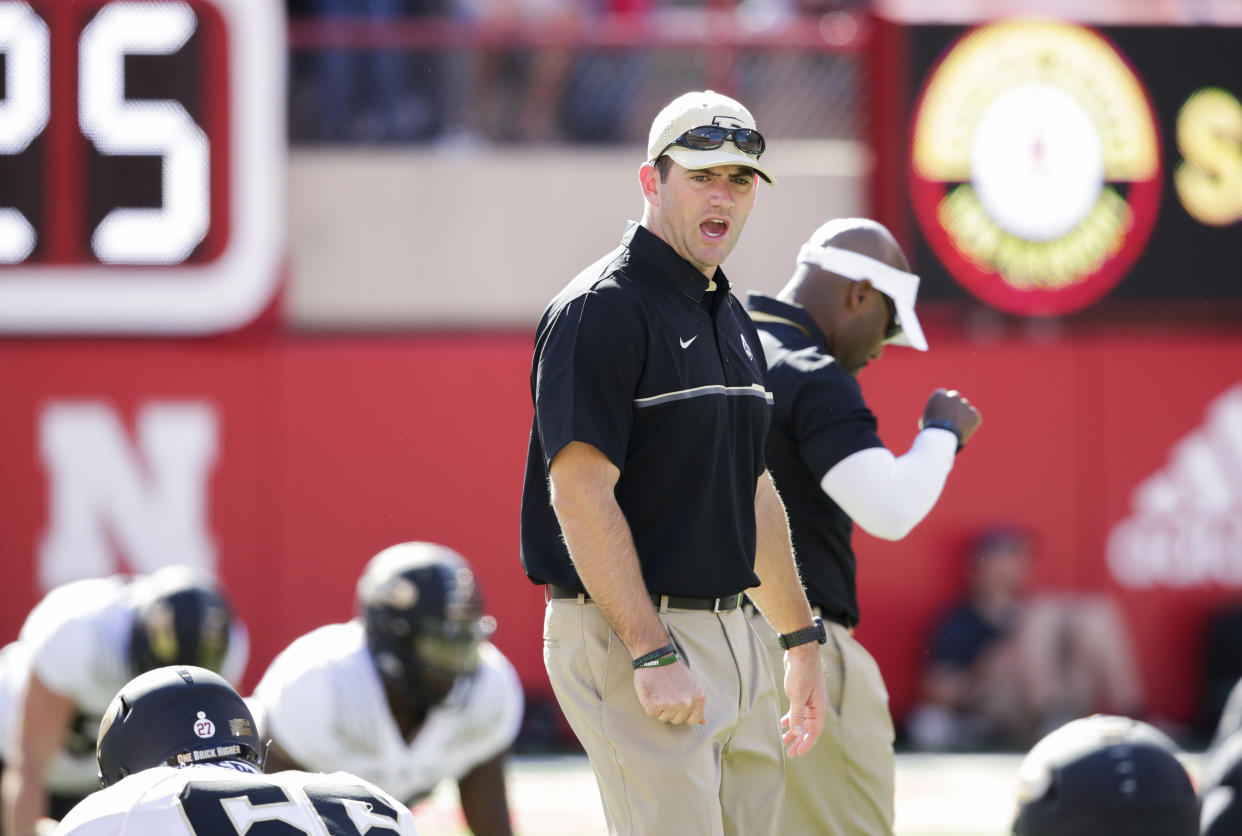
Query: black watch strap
(945, 424)
(814, 633)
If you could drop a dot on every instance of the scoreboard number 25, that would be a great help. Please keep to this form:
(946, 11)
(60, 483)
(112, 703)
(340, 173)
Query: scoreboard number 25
(142, 156)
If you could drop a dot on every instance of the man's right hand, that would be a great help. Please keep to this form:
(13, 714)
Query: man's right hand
(951, 406)
(671, 694)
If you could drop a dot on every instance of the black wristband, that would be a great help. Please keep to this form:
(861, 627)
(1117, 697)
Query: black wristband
(814, 633)
(655, 659)
(945, 424)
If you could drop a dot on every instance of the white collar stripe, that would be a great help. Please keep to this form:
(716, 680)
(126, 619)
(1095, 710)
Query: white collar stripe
(753, 390)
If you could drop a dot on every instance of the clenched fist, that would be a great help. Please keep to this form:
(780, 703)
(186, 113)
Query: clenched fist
(950, 407)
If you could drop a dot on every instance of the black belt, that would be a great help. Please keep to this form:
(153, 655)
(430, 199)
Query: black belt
(816, 610)
(664, 602)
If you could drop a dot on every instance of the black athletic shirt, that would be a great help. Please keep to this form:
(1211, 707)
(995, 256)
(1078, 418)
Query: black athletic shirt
(820, 418)
(628, 360)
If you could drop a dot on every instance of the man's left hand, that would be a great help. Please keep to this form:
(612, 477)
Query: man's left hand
(808, 700)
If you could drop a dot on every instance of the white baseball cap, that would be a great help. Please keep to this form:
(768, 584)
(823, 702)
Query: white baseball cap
(898, 285)
(697, 109)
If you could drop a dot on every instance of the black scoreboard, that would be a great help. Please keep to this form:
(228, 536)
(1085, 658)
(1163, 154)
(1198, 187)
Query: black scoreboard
(1043, 166)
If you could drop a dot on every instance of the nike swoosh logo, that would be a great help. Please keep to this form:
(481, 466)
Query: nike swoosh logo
(686, 343)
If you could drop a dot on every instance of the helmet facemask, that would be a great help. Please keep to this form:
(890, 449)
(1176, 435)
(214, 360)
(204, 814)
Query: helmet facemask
(180, 619)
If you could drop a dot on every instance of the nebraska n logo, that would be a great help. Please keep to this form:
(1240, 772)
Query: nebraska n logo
(1185, 527)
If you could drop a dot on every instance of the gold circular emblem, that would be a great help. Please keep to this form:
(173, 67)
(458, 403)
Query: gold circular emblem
(1035, 167)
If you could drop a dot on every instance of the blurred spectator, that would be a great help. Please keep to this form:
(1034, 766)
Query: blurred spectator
(598, 97)
(366, 94)
(77, 648)
(1007, 665)
(515, 91)
(554, 92)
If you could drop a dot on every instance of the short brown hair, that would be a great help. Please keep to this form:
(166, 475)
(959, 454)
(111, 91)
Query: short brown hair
(663, 164)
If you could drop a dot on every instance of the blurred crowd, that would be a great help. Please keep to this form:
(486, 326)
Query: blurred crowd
(522, 78)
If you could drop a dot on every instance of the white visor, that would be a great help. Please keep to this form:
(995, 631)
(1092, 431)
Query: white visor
(898, 285)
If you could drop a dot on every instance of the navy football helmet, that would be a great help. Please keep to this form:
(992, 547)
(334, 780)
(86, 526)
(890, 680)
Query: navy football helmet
(177, 716)
(1105, 776)
(180, 618)
(424, 620)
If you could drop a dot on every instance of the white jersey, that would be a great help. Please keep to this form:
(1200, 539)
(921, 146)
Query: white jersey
(323, 702)
(77, 641)
(217, 800)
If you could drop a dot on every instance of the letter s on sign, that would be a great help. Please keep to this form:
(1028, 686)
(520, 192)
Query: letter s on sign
(143, 146)
(1209, 134)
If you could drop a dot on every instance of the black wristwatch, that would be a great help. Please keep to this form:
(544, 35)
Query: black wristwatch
(815, 633)
(945, 424)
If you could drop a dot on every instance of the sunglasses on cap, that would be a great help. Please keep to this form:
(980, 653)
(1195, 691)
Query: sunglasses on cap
(711, 137)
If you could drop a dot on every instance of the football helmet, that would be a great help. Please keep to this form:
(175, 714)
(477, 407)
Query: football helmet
(1105, 776)
(180, 618)
(177, 715)
(423, 615)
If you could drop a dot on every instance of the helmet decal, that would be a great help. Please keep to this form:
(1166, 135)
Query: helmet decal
(204, 727)
(161, 632)
(403, 594)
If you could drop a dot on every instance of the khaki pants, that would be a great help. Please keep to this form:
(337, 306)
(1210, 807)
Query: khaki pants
(724, 778)
(844, 786)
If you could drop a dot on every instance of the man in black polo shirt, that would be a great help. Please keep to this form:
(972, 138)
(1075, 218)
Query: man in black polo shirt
(647, 508)
(851, 293)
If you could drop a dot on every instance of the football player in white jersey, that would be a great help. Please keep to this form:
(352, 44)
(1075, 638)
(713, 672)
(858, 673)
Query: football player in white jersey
(78, 646)
(407, 694)
(178, 756)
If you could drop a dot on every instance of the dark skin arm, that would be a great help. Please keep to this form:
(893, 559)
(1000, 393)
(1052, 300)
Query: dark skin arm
(278, 760)
(483, 799)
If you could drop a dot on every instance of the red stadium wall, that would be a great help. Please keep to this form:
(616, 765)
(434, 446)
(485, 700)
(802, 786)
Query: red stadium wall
(328, 449)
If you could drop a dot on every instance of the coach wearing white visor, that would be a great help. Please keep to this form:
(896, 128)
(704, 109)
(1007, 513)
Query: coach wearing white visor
(850, 295)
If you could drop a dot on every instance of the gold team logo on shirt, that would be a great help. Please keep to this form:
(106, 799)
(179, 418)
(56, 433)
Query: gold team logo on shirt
(1035, 167)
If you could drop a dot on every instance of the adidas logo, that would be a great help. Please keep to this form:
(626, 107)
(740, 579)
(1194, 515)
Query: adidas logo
(1185, 528)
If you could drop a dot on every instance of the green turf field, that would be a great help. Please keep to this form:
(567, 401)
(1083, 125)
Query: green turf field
(937, 795)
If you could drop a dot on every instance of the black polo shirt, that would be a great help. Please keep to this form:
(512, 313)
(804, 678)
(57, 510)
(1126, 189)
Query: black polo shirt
(820, 418)
(632, 359)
